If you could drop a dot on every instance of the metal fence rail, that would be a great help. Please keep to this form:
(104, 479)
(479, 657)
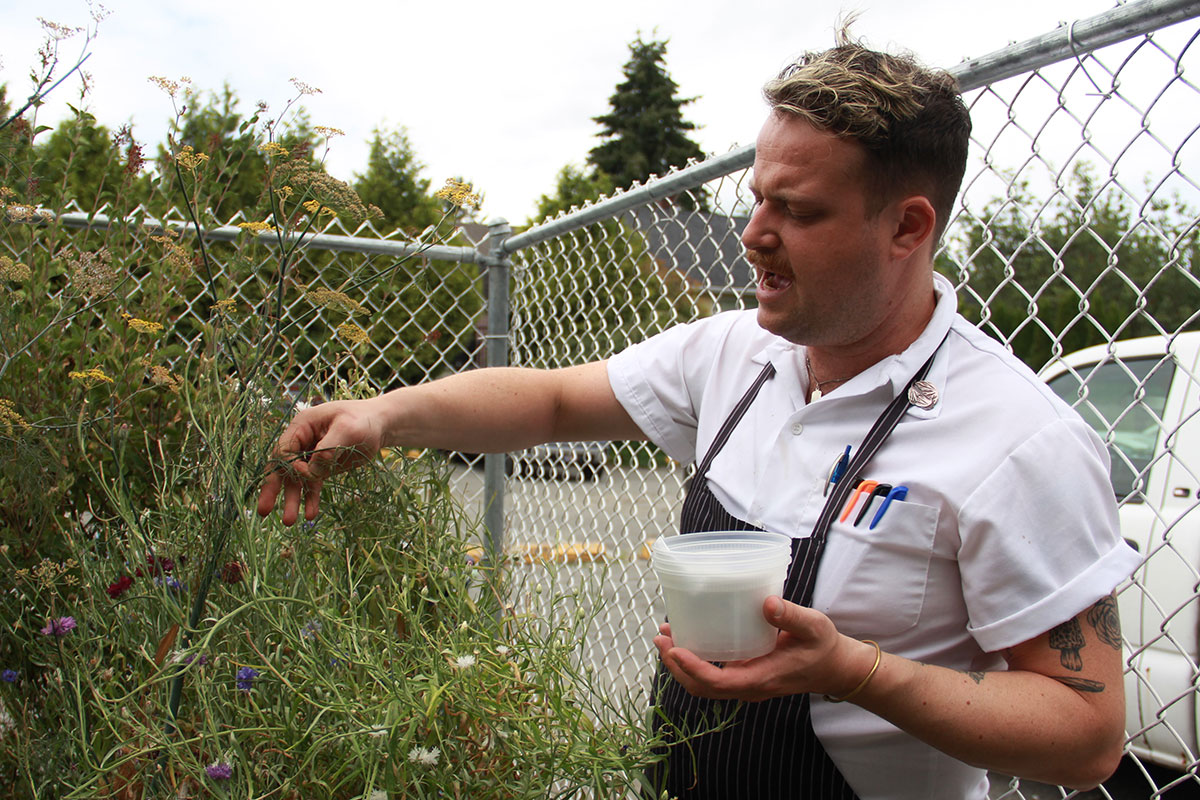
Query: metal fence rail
(1077, 225)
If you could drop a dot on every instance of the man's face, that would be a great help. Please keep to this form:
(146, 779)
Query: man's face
(817, 253)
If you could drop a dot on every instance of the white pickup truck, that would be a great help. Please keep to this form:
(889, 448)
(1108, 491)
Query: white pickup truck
(1143, 397)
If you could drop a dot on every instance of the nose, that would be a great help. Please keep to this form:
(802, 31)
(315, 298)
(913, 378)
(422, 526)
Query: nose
(760, 232)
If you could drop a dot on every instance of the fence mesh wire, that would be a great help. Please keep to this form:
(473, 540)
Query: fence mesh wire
(1077, 226)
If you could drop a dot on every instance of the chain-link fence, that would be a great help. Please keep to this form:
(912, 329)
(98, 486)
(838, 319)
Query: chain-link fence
(1077, 226)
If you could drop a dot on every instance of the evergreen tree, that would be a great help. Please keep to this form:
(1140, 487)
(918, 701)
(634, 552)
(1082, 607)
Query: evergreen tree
(393, 184)
(645, 133)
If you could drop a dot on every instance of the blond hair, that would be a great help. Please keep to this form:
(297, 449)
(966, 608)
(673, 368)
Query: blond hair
(911, 120)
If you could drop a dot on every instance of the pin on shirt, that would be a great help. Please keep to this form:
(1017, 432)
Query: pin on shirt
(923, 394)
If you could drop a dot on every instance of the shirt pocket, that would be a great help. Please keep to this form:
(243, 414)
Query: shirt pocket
(881, 575)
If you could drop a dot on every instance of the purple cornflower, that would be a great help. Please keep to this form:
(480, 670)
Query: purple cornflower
(10, 676)
(60, 626)
(219, 770)
(245, 678)
(200, 660)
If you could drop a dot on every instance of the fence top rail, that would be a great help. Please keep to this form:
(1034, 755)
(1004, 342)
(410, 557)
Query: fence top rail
(319, 241)
(1067, 41)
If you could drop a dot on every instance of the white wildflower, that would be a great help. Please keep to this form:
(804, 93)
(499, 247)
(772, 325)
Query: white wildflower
(464, 662)
(502, 650)
(426, 756)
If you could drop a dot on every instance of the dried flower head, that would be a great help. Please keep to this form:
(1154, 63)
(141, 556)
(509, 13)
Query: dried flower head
(352, 334)
(459, 194)
(163, 377)
(331, 298)
(233, 572)
(10, 420)
(90, 377)
(304, 88)
(58, 32)
(327, 132)
(169, 86)
(322, 189)
(92, 273)
(13, 271)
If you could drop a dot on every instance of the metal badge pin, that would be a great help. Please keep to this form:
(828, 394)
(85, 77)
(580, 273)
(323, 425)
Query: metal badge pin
(923, 394)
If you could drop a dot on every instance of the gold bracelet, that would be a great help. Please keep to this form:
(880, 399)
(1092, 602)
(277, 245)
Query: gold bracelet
(865, 681)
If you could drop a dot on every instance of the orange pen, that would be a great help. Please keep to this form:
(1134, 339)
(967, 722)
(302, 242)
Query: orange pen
(865, 486)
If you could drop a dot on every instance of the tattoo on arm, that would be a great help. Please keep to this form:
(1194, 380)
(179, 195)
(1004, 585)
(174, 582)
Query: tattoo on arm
(976, 675)
(1067, 638)
(1105, 618)
(1080, 684)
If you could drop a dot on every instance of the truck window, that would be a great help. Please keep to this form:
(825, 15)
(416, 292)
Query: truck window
(1123, 401)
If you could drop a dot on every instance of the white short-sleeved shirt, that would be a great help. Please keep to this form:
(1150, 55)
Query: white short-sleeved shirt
(1009, 527)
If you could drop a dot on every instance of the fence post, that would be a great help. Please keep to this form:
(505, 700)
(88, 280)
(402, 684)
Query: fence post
(497, 263)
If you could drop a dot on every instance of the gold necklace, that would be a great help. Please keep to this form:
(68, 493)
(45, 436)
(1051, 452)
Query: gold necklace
(814, 384)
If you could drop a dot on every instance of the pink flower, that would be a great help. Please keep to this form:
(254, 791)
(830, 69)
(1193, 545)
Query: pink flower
(59, 627)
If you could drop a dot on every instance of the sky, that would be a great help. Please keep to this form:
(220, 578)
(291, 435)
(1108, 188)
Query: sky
(501, 94)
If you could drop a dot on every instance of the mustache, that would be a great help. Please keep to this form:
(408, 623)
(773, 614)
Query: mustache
(771, 261)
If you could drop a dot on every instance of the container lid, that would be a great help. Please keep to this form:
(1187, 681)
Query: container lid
(731, 550)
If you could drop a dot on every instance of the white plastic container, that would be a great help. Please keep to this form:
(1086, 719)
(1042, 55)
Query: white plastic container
(714, 585)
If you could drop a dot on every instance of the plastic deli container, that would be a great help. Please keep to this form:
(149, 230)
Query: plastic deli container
(714, 585)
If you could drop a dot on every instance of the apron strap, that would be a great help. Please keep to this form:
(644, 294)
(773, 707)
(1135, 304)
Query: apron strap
(879, 432)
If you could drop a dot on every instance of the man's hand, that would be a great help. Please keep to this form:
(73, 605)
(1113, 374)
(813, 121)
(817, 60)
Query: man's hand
(321, 440)
(809, 656)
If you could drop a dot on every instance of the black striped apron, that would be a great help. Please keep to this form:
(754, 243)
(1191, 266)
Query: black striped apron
(769, 751)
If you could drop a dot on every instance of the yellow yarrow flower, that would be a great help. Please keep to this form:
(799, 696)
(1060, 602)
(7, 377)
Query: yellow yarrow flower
(10, 420)
(256, 227)
(458, 194)
(189, 159)
(225, 306)
(328, 132)
(273, 149)
(144, 325)
(352, 333)
(90, 377)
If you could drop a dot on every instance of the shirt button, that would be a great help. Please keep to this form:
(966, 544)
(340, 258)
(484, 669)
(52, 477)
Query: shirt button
(797, 428)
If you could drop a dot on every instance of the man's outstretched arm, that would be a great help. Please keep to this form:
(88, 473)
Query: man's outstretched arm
(480, 411)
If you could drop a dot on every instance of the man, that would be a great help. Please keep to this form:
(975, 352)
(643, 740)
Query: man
(964, 624)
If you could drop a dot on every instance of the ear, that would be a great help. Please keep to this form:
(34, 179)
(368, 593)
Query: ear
(914, 220)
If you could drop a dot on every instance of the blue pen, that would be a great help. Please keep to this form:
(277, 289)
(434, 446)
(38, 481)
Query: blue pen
(839, 469)
(898, 493)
